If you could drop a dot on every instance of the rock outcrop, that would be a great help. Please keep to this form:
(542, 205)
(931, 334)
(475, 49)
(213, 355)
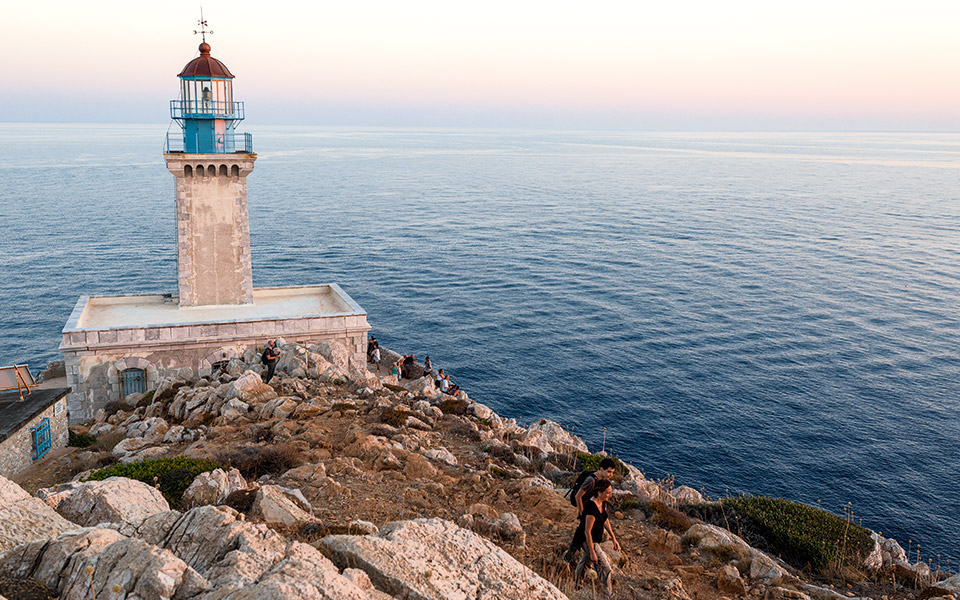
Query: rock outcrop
(436, 559)
(116, 500)
(24, 518)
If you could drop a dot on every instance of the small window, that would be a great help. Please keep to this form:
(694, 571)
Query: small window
(223, 170)
(132, 381)
(212, 171)
(200, 171)
(188, 171)
(235, 171)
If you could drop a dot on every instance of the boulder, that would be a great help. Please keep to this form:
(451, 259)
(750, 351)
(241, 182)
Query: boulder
(167, 388)
(711, 537)
(442, 455)
(547, 503)
(116, 500)
(233, 409)
(665, 542)
(687, 495)
(82, 564)
(24, 518)
(129, 446)
(436, 559)
(950, 585)
(335, 353)
(551, 437)
(418, 467)
(274, 504)
(729, 580)
(422, 386)
(249, 388)
(213, 487)
(278, 408)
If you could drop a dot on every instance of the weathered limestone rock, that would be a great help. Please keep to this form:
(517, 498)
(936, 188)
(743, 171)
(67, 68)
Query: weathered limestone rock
(24, 518)
(547, 503)
(167, 388)
(213, 487)
(423, 386)
(53, 496)
(949, 586)
(118, 500)
(728, 580)
(129, 446)
(278, 408)
(274, 504)
(249, 388)
(233, 409)
(140, 569)
(436, 559)
(506, 527)
(418, 467)
(665, 542)
(551, 437)
(687, 495)
(708, 537)
(335, 353)
(442, 455)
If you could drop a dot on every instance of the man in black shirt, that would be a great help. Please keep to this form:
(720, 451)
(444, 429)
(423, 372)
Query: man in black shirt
(269, 358)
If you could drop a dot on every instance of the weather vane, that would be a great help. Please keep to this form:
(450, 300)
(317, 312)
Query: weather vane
(203, 27)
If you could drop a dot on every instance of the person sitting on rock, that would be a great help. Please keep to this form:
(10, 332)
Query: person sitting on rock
(593, 522)
(448, 388)
(439, 380)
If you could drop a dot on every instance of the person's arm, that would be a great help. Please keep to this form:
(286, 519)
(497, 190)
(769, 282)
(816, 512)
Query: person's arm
(609, 528)
(579, 498)
(588, 529)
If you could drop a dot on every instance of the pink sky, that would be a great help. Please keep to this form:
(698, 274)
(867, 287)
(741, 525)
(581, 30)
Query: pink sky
(712, 65)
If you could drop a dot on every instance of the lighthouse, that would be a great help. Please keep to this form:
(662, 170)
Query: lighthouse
(210, 161)
(115, 347)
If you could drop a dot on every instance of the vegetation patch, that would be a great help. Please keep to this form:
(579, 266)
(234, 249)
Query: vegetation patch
(394, 416)
(667, 517)
(803, 535)
(241, 500)
(80, 440)
(172, 476)
(591, 462)
(255, 461)
(343, 406)
(453, 406)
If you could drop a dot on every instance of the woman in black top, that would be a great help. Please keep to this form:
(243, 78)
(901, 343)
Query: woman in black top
(592, 524)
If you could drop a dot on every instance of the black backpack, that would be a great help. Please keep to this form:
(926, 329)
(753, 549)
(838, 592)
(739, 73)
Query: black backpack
(263, 357)
(581, 479)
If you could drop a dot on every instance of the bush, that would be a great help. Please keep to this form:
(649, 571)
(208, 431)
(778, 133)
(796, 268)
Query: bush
(591, 462)
(394, 416)
(255, 461)
(241, 500)
(80, 440)
(803, 535)
(453, 406)
(172, 476)
(668, 518)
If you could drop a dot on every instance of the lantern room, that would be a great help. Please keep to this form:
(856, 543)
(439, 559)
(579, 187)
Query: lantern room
(206, 111)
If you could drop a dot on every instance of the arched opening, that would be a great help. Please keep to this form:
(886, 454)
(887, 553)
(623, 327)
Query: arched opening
(132, 381)
(223, 170)
(212, 171)
(188, 171)
(235, 171)
(200, 172)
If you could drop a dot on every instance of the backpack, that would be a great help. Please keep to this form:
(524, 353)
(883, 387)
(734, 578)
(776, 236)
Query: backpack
(581, 479)
(263, 357)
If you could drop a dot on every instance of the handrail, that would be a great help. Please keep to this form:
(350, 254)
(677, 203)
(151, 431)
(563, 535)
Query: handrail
(206, 109)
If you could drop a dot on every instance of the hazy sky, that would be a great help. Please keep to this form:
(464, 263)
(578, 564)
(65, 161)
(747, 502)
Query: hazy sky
(680, 65)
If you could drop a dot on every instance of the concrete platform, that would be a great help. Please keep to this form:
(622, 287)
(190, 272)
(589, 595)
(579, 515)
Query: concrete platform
(107, 335)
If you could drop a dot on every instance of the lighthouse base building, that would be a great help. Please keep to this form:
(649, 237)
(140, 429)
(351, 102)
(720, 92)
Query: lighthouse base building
(115, 346)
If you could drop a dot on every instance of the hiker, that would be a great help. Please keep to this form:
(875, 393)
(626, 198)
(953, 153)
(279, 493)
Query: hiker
(269, 357)
(583, 488)
(427, 367)
(593, 522)
(375, 356)
(395, 370)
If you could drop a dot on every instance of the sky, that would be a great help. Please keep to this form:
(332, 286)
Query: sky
(735, 65)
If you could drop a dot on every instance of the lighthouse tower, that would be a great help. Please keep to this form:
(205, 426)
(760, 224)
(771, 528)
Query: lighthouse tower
(210, 161)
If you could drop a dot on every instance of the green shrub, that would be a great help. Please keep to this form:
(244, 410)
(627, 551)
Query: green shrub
(80, 440)
(803, 535)
(454, 406)
(171, 475)
(591, 462)
(668, 518)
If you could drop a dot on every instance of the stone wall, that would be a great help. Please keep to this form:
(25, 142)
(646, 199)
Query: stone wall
(93, 371)
(16, 452)
(213, 231)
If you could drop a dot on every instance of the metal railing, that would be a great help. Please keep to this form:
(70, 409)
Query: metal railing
(225, 143)
(205, 109)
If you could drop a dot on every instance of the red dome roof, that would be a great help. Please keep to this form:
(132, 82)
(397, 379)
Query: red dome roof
(205, 66)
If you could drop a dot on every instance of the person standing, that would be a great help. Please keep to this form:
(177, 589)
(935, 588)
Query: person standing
(269, 358)
(376, 358)
(592, 524)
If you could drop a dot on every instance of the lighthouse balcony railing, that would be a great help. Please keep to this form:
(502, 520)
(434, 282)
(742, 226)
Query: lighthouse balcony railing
(222, 143)
(205, 109)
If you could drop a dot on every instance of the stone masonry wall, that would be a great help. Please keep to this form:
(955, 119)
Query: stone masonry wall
(213, 231)
(16, 452)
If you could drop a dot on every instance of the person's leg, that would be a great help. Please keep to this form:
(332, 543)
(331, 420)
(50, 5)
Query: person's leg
(270, 368)
(604, 569)
(583, 562)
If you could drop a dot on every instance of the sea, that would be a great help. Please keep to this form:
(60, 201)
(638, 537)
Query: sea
(764, 313)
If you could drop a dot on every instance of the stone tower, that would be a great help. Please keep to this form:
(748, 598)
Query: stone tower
(210, 162)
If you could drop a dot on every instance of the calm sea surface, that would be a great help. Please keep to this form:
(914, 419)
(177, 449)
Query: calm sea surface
(768, 313)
